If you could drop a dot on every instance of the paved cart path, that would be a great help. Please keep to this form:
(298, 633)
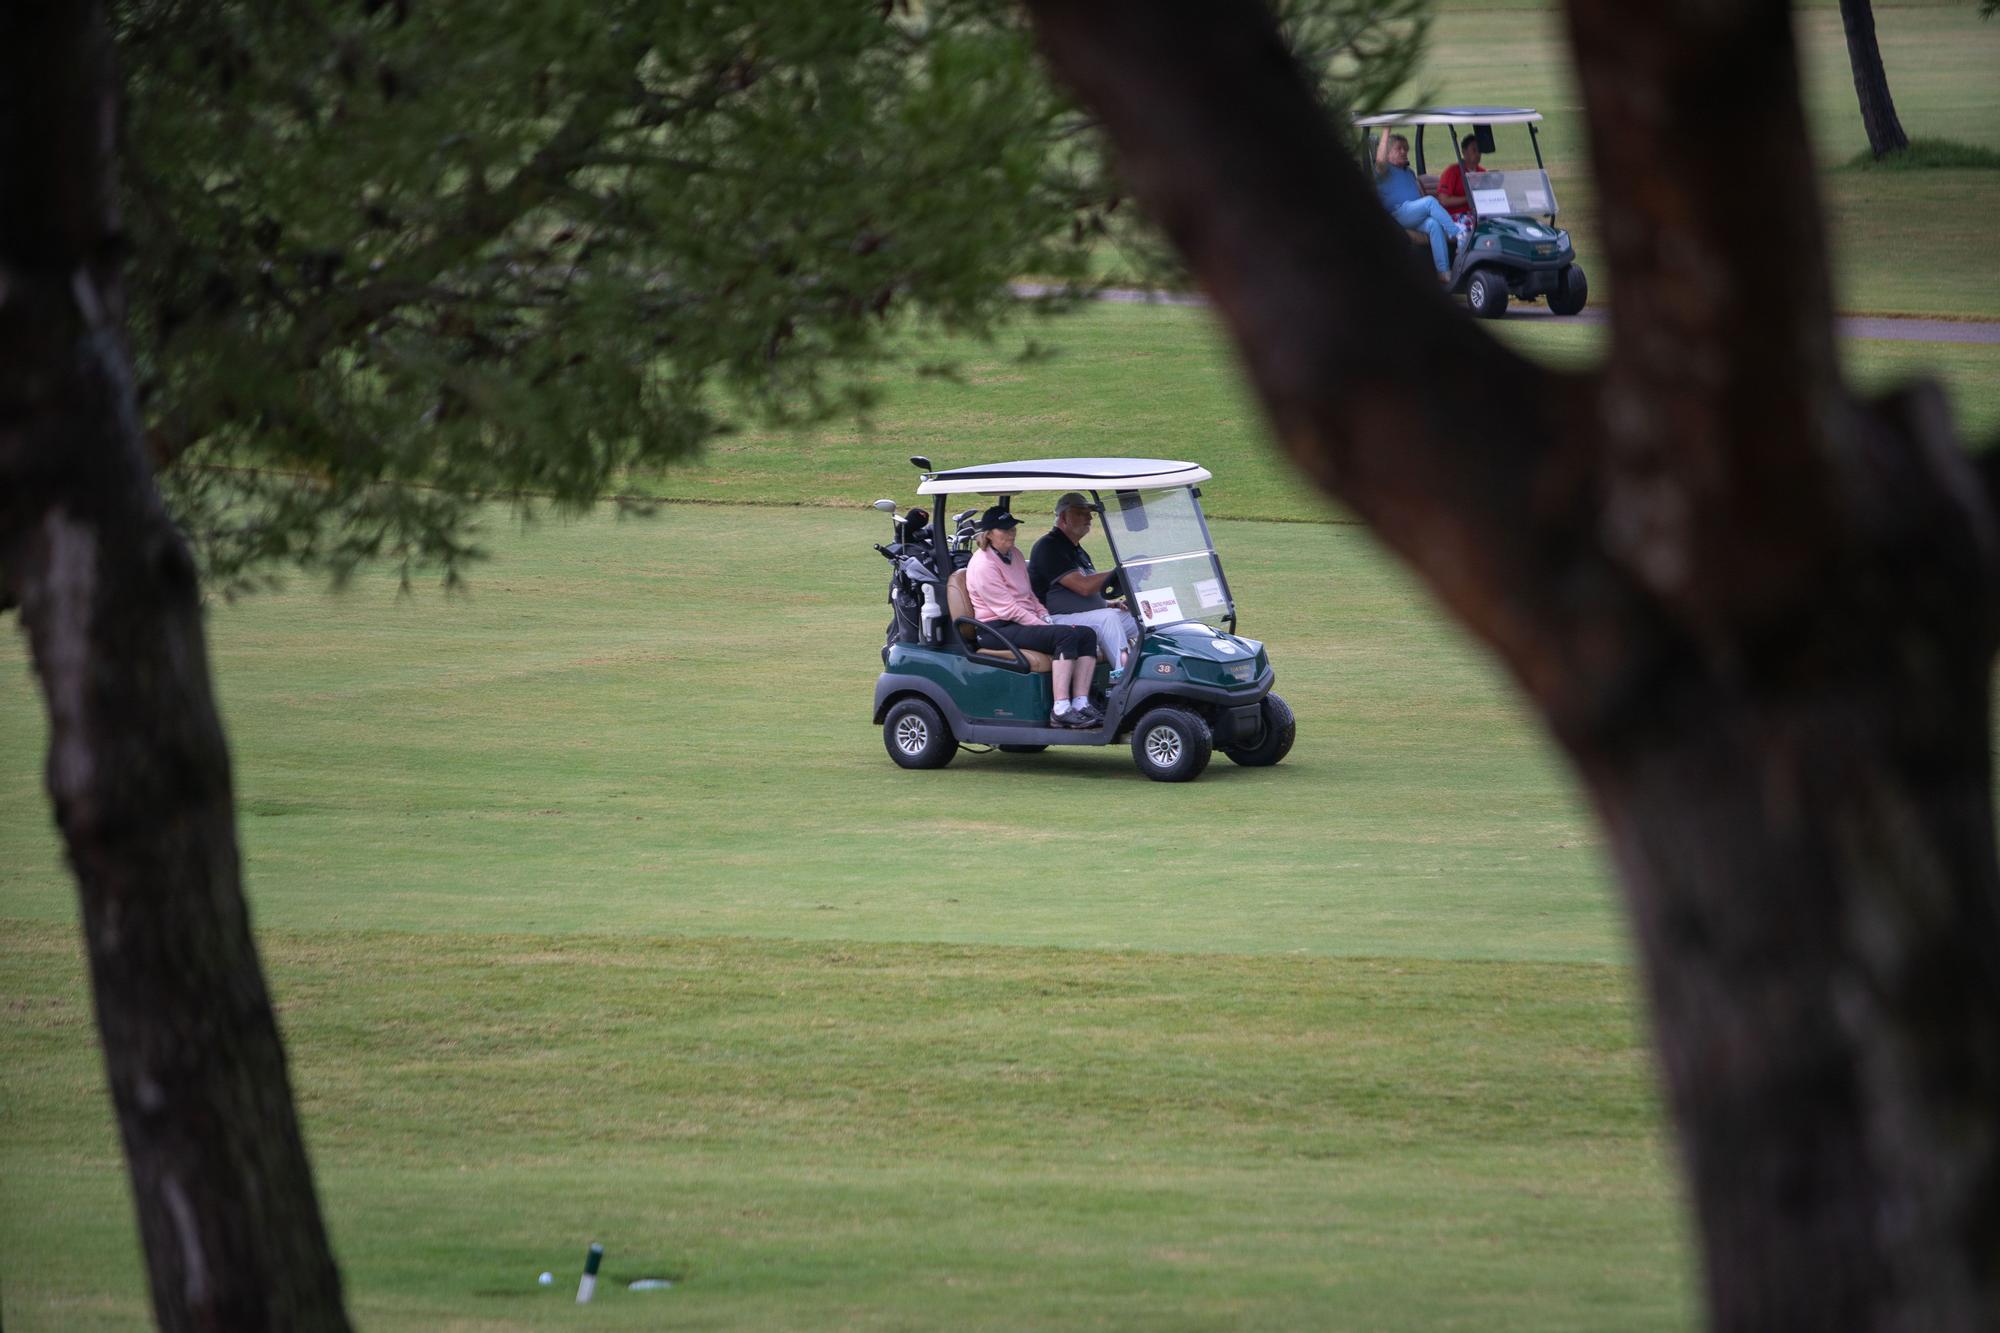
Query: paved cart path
(1851, 326)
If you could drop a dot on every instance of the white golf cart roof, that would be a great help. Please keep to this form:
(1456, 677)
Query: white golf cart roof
(1453, 115)
(1063, 474)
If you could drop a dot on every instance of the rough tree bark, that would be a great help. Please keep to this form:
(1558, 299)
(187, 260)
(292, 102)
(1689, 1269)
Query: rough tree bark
(137, 766)
(1871, 81)
(1758, 613)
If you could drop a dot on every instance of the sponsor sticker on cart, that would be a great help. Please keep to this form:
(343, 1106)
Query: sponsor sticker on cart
(1210, 592)
(1161, 605)
(1490, 201)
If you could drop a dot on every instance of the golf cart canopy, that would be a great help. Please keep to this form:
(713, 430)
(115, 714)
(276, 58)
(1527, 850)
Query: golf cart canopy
(1452, 115)
(1063, 474)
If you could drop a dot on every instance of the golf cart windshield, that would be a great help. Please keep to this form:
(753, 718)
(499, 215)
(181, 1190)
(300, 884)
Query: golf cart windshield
(1512, 194)
(1168, 564)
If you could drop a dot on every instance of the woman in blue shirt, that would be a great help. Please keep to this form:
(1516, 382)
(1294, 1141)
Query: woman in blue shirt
(1403, 195)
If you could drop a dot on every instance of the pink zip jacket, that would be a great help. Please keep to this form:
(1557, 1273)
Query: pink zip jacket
(999, 590)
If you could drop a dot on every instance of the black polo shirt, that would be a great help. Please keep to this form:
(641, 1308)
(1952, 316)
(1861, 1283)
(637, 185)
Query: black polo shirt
(1054, 556)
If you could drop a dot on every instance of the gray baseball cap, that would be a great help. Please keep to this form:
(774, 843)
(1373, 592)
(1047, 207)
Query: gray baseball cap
(1074, 500)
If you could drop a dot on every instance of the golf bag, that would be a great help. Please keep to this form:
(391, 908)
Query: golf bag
(910, 573)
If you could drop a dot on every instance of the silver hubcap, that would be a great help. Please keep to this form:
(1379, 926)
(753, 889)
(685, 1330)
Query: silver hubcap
(912, 735)
(1163, 746)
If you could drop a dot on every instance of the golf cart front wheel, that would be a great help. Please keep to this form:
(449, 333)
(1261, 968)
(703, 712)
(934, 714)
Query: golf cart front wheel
(1486, 293)
(1172, 745)
(916, 735)
(1570, 293)
(1280, 730)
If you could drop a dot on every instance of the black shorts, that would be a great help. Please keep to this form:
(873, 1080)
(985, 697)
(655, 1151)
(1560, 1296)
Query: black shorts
(1062, 642)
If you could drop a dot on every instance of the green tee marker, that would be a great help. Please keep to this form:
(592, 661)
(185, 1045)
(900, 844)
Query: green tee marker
(589, 1283)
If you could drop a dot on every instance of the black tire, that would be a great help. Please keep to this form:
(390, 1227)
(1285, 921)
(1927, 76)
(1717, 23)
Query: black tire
(1486, 293)
(1172, 745)
(1280, 730)
(916, 735)
(1571, 293)
(1021, 749)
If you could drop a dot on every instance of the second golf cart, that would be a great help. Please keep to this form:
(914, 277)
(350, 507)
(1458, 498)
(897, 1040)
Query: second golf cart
(1516, 250)
(1193, 686)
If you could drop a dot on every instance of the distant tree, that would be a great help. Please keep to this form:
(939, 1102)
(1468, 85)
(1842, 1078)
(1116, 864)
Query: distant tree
(1871, 81)
(1758, 612)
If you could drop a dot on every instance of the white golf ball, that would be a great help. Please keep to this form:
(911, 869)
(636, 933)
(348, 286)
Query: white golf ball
(548, 1279)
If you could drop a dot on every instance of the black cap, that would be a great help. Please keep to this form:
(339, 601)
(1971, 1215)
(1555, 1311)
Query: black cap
(997, 517)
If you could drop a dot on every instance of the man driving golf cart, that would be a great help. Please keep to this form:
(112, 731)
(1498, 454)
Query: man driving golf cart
(951, 678)
(1061, 573)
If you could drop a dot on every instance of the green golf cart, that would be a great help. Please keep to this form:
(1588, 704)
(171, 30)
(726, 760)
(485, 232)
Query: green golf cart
(1516, 249)
(950, 681)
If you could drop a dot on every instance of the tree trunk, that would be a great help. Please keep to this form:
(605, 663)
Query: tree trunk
(137, 766)
(1758, 614)
(1871, 81)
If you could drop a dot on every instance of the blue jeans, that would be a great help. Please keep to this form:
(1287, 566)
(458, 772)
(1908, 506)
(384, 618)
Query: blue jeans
(1427, 215)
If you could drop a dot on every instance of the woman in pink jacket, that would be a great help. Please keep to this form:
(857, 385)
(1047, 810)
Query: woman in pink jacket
(997, 583)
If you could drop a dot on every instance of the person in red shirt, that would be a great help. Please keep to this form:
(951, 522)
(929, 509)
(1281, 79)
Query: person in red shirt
(1451, 186)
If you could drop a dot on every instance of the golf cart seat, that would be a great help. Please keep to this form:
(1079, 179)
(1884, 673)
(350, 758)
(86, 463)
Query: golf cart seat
(960, 605)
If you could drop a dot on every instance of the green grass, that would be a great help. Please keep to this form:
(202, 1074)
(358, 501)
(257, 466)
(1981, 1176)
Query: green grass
(807, 1135)
(624, 723)
(1175, 393)
(1929, 155)
(595, 910)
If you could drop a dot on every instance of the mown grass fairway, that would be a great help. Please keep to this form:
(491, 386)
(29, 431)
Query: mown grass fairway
(595, 910)
(910, 1136)
(629, 728)
(1153, 381)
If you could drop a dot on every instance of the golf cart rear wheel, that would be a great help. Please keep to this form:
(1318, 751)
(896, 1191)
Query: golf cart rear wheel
(916, 736)
(1486, 293)
(1570, 293)
(1280, 730)
(1172, 745)
(1021, 749)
